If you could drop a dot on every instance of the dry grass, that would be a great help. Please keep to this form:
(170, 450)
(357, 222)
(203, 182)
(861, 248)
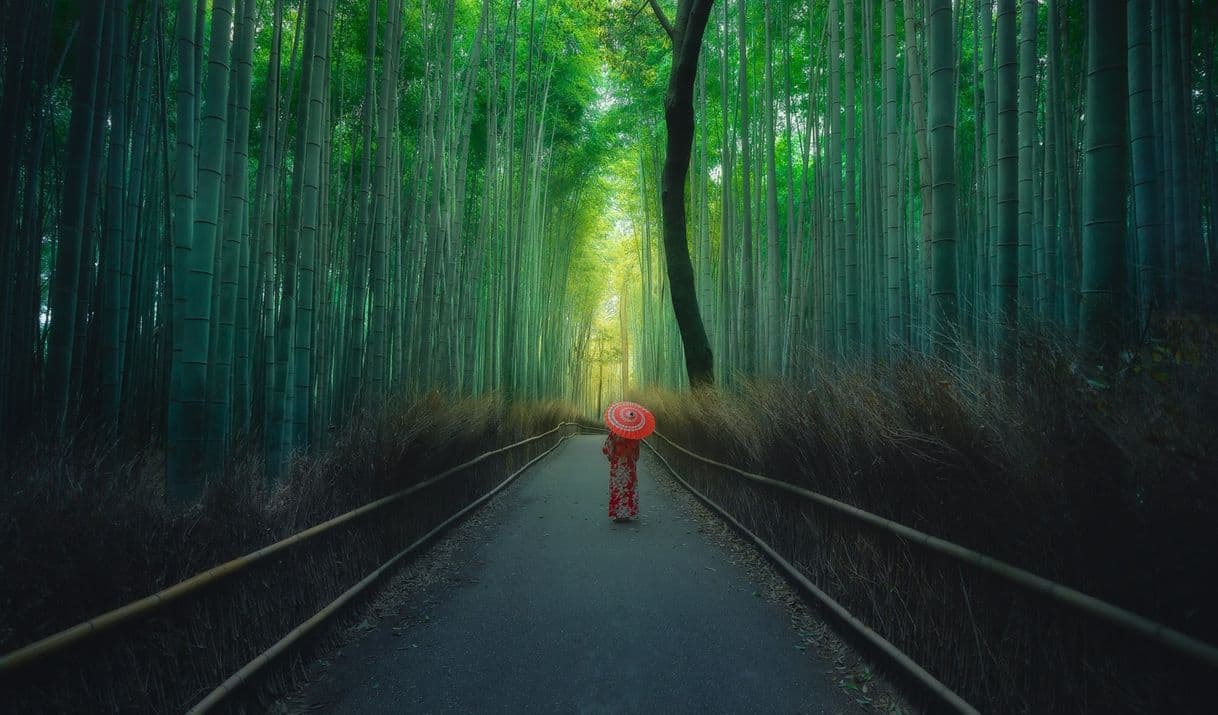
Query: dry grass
(79, 539)
(1104, 482)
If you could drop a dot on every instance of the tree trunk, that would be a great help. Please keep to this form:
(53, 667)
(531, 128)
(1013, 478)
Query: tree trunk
(851, 235)
(1027, 139)
(1007, 275)
(1148, 199)
(110, 312)
(726, 327)
(943, 176)
(892, 206)
(692, 16)
(918, 111)
(221, 377)
(835, 259)
(747, 306)
(1104, 177)
(181, 458)
(196, 446)
(773, 309)
(315, 122)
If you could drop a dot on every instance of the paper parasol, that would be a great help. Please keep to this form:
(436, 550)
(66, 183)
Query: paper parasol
(630, 420)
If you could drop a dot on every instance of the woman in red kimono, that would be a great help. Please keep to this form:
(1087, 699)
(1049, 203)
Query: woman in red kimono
(628, 423)
(623, 479)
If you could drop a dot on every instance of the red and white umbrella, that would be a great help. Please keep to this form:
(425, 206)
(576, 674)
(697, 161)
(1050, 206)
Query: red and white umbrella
(630, 420)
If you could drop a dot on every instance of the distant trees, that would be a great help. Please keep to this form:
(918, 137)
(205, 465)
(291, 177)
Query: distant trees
(238, 221)
(74, 228)
(962, 179)
(286, 211)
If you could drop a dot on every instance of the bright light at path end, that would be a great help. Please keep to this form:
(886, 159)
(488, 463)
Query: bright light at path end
(609, 306)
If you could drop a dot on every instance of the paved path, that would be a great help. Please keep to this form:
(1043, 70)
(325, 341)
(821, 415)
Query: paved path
(558, 609)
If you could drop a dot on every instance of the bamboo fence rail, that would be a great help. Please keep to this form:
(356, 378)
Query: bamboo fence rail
(75, 634)
(1056, 592)
(251, 668)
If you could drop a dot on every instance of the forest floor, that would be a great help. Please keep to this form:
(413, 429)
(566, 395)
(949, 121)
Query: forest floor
(540, 603)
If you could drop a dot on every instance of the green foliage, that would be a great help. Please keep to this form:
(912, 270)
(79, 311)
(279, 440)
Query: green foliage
(565, 191)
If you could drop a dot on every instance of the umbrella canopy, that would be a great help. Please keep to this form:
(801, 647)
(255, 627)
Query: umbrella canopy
(630, 420)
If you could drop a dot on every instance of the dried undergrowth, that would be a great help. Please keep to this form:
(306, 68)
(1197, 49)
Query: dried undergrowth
(1103, 481)
(83, 532)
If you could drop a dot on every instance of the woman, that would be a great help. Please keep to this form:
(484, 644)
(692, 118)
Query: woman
(628, 423)
(623, 479)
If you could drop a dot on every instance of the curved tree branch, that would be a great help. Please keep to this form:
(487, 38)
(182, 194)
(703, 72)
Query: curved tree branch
(659, 11)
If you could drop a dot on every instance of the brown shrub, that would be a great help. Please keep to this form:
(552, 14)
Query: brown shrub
(83, 532)
(1105, 482)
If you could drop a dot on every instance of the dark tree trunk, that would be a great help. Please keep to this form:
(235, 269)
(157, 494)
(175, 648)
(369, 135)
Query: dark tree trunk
(686, 36)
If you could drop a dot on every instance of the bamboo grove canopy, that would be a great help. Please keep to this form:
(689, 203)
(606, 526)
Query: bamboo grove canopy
(231, 220)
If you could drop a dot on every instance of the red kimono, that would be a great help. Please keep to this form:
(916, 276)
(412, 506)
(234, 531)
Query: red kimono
(623, 480)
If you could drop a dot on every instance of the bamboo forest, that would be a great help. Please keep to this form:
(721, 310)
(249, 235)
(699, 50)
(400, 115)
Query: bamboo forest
(954, 262)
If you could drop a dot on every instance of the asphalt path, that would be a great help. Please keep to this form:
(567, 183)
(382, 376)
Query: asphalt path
(558, 609)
